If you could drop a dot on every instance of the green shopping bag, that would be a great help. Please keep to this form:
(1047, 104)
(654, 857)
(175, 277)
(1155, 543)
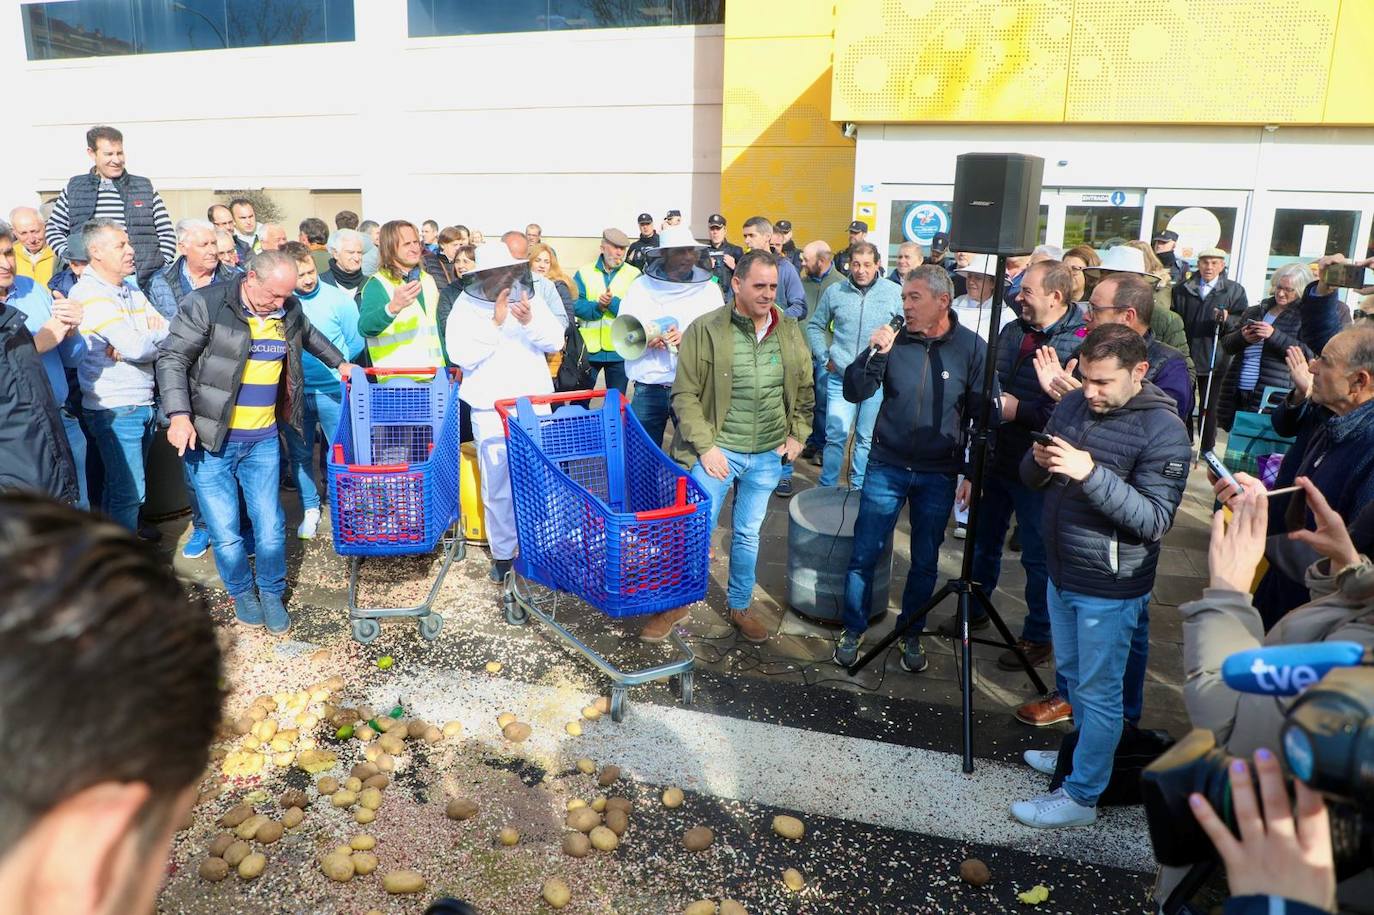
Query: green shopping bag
(1253, 437)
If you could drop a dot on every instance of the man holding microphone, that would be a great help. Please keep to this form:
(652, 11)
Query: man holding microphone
(930, 372)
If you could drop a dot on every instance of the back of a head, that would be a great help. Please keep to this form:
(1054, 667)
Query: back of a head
(109, 670)
(314, 230)
(345, 219)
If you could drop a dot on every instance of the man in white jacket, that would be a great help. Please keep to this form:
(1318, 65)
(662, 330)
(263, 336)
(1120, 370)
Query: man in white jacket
(673, 292)
(498, 334)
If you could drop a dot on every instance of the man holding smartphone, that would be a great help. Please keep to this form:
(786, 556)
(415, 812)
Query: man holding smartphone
(1113, 478)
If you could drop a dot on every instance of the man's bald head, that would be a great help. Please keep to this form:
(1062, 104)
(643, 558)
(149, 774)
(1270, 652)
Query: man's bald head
(816, 257)
(28, 228)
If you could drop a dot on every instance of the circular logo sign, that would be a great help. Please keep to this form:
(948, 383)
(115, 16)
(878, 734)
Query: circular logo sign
(923, 221)
(1118, 198)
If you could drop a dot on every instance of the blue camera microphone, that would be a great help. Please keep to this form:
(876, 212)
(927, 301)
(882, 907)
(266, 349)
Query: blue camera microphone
(1286, 670)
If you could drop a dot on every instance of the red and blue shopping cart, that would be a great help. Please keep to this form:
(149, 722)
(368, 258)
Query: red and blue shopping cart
(602, 515)
(393, 482)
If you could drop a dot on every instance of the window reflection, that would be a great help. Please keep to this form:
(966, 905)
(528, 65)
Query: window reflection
(474, 17)
(101, 28)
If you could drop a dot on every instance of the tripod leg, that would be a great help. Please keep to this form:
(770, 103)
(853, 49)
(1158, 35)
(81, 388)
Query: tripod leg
(966, 654)
(899, 631)
(1002, 629)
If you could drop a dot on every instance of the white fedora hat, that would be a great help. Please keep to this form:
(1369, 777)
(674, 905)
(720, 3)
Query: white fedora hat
(1123, 259)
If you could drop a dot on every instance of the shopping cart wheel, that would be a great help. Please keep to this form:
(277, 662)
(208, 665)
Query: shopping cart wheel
(684, 687)
(365, 630)
(617, 703)
(430, 624)
(515, 614)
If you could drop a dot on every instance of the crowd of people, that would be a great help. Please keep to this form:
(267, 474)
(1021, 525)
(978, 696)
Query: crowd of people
(119, 325)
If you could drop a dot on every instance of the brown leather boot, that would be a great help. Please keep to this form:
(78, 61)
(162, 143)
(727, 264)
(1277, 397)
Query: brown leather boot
(1038, 653)
(660, 624)
(749, 626)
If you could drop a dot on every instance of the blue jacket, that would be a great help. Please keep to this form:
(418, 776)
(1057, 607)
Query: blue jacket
(854, 314)
(1106, 529)
(932, 393)
(1016, 374)
(791, 295)
(1323, 316)
(169, 284)
(35, 303)
(332, 311)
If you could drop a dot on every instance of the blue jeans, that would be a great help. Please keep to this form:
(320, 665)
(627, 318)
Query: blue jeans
(322, 408)
(1002, 497)
(123, 436)
(1133, 683)
(250, 468)
(886, 490)
(840, 417)
(652, 405)
(615, 374)
(758, 475)
(1092, 640)
(76, 440)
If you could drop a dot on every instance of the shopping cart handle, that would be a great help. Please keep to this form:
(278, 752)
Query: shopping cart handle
(454, 374)
(504, 406)
(378, 468)
(672, 511)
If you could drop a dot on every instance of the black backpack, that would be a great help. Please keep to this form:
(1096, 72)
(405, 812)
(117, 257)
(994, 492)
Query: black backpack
(575, 372)
(1137, 749)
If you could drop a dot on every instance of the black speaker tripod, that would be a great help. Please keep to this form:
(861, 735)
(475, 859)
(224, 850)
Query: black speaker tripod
(967, 590)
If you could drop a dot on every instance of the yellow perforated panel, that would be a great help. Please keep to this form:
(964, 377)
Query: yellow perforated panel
(950, 60)
(1134, 61)
(1218, 61)
(777, 93)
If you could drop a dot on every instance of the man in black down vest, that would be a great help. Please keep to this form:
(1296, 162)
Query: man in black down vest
(107, 191)
(1113, 477)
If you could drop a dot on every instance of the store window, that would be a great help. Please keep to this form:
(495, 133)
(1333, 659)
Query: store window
(1101, 227)
(1309, 234)
(108, 28)
(465, 17)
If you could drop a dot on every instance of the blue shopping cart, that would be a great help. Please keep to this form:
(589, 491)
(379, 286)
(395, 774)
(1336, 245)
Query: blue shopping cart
(393, 482)
(602, 514)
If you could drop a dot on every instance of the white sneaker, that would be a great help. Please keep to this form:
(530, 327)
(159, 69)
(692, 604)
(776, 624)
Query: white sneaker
(309, 523)
(1042, 761)
(1055, 810)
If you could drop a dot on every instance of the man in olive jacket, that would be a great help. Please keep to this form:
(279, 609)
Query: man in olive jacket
(743, 399)
(229, 369)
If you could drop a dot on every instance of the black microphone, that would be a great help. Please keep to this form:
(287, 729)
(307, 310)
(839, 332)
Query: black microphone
(897, 323)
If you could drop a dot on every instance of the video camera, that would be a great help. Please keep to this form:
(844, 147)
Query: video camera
(1327, 741)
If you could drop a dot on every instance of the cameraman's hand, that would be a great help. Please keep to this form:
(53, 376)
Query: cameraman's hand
(1237, 548)
(1332, 537)
(1278, 853)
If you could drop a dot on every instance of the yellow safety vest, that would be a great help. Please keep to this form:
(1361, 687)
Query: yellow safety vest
(412, 337)
(597, 334)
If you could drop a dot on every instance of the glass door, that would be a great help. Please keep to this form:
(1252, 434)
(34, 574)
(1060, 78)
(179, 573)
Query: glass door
(1099, 217)
(1303, 227)
(1202, 219)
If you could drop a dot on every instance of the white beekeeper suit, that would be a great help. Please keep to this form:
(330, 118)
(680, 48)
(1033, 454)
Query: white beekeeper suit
(673, 292)
(498, 363)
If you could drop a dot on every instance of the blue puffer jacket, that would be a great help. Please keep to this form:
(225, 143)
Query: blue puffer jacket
(854, 314)
(1016, 374)
(1323, 316)
(1102, 535)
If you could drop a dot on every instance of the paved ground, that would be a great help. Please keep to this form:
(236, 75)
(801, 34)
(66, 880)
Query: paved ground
(871, 764)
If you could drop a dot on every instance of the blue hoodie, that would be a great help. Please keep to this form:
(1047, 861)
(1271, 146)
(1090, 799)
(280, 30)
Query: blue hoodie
(853, 314)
